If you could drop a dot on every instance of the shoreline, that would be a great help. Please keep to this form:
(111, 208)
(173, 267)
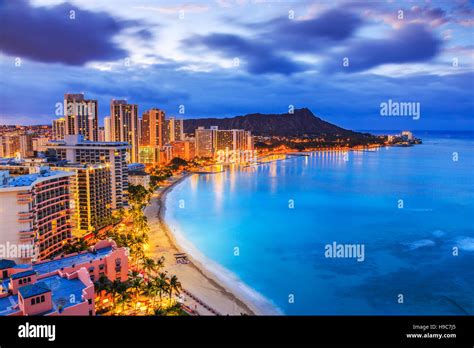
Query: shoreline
(194, 276)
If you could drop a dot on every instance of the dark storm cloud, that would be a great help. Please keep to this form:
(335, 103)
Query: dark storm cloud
(312, 34)
(269, 51)
(412, 43)
(278, 40)
(260, 58)
(48, 34)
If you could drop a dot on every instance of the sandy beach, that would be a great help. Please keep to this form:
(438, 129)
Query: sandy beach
(195, 278)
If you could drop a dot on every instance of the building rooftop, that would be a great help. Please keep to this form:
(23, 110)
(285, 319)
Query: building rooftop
(53, 265)
(65, 292)
(4, 264)
(7, 304)
(29, 179)
(34, 289)
(23, 274)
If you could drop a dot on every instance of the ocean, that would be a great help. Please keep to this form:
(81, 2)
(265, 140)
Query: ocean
(273, 230)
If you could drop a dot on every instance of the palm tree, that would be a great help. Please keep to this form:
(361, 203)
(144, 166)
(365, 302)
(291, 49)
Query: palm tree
(148, 265)
(151, 290)
(117, 288)
(160, 263)
(136, 283)
(174, 284)
(124, 298)
(162, 285)
(101, 286)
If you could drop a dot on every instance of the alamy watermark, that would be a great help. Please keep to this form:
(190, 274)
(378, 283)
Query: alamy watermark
(236, 156)
(338, 250)
(16, 251)
(394, 108)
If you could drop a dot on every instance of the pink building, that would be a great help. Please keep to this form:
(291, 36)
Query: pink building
(60, 286)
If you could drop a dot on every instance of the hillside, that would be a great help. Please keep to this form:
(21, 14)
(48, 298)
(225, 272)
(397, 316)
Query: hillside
(301, 122)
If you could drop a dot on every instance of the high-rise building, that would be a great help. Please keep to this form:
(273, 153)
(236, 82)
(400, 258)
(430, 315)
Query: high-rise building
(36, 213)
(75, 150)
(10, 146)
(81, 116)
(91, 187)
(59, 129)
(101, 134)
(184, 149)
(174, 130)
(124, 125)
(166, 154)
(206, 141)
(107, 129)
(39, 144)
(26, 145)
(234, 139)
(210, 141)
(153, 128)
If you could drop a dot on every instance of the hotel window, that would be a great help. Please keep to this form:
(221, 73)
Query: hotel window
(33, 301)
(42, 298)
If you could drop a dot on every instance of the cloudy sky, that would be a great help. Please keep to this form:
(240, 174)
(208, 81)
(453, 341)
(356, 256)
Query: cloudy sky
(341, 59)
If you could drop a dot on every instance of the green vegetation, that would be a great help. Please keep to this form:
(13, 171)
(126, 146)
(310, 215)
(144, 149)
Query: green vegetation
(137, 194)
(75, 245)
(177, 163)
(148, 290)
(143, 293)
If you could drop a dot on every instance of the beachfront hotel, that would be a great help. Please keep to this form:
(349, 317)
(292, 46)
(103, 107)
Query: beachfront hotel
(91, 189)
(124, 126)
(35, 214)
(206, 140)
(63, 285)
(74, 149)
(185, 149)
(210, 141)
(81, 116)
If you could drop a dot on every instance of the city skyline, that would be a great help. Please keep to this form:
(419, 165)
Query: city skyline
(223, 59)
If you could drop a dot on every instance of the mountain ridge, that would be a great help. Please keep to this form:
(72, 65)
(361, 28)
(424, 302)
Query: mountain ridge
(300, 123)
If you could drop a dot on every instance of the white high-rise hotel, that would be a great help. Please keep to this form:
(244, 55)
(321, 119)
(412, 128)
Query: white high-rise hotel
(35, 214)
(113, 154)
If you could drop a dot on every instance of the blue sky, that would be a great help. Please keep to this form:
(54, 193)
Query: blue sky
(225, 58)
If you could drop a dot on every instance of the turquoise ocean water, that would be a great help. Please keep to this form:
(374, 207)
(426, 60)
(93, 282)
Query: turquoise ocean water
(241, 220)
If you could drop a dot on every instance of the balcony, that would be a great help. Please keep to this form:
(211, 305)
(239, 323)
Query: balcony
(24, 197)
(25, 219)
(28, 231)
(25, 214)
(29, 238)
